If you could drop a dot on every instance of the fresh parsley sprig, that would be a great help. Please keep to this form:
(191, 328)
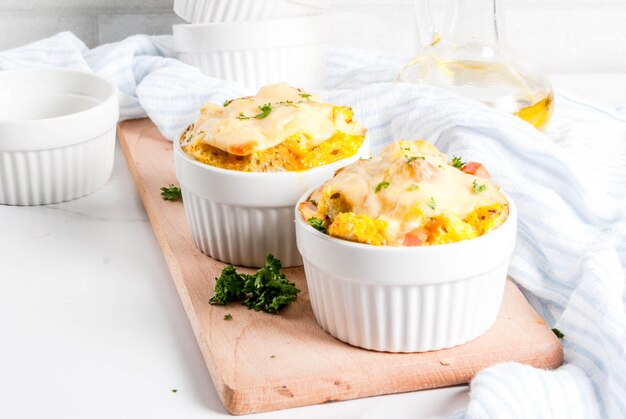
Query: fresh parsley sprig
(266, 290)
(171, 193)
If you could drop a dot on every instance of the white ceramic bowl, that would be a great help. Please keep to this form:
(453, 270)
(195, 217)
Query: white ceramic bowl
(258, 53)
(57, 135)
(406, 299)
(211, 11)
(239, 217)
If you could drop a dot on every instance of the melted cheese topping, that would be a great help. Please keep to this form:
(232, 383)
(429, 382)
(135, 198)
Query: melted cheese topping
(278, 112)
(414, 194)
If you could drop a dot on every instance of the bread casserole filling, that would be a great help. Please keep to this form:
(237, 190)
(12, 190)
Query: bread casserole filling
(410, 195)
(280, 129)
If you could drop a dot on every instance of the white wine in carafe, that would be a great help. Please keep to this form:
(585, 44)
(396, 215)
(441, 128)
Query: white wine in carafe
(467, 59)
(494, 83)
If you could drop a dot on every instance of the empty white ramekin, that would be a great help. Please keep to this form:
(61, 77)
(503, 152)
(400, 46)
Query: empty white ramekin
(57, 135)
(239, 217)
(258, 53)
(211, 11)
(406, 299)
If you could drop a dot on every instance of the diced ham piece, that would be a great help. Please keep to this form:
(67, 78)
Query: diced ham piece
(416, 237)
(476, 169)
(242, 149)
(308, 210)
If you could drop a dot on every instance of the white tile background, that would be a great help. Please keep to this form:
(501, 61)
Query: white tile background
(561, 36)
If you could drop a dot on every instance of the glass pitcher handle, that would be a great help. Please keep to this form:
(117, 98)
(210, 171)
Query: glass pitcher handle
(428, 35)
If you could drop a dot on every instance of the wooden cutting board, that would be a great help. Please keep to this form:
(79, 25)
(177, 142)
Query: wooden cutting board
(261, 362)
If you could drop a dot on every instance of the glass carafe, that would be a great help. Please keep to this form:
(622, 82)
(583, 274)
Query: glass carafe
(467, 57)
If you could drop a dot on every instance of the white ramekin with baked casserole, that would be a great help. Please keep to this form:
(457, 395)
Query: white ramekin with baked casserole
(243, 165)
(408, 251)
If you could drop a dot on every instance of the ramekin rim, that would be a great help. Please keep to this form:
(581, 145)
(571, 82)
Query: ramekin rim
(111, 96)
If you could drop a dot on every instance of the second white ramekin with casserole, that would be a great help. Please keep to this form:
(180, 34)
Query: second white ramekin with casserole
(406, 299)
(239, 217)
(257, 53)
(57, 134)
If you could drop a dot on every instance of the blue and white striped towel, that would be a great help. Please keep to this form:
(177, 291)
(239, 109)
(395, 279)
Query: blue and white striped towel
(569, 184)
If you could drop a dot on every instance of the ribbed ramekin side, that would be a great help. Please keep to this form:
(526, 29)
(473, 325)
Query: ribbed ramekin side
(55, 175)
(241, 235)
(300, 65)
(405, 318)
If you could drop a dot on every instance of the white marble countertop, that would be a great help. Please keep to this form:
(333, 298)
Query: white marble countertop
(91, 324)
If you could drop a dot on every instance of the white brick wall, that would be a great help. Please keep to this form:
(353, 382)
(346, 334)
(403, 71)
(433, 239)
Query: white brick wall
(94, 21)
(559, 35)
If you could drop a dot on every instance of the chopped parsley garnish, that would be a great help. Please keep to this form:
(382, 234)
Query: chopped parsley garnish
(174, 390)
(265, 110)
(406, 148)
(266, 290)
(382, 185)
(413, 158)
(558, 333)
(171, 193)
(227, 102)
(306, 96)
(414, 187)
(228, 316)
(457, 162)
(288, 103)
(478, 188)
(317, 224)
(432, 204)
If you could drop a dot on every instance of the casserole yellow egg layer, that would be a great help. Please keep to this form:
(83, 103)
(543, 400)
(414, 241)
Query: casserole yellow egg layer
(410, 195)
(280, 129)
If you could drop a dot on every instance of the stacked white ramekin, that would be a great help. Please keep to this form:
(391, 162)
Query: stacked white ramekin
(57, 135)
(255, 42)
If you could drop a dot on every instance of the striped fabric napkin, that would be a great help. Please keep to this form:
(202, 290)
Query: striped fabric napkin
(569, 185)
